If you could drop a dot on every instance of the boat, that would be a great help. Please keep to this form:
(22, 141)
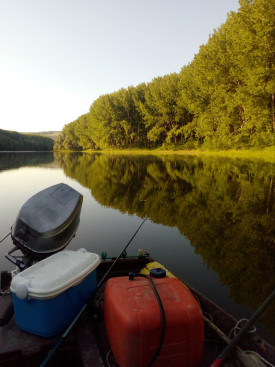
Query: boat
(87, 343)
(90, 338)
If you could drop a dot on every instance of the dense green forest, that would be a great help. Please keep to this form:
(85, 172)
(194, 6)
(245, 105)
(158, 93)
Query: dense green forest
(224, 98)
(225, 207)
(14, 141)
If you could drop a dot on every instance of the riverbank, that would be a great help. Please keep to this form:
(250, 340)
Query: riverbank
(267, 154)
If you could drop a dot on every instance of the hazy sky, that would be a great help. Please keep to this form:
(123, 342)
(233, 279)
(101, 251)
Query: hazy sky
(58, 56)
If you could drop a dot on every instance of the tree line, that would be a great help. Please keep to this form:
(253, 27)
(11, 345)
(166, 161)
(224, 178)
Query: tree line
(14, 141)
(224, 98)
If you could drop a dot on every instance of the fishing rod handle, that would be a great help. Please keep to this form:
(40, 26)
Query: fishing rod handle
(217, 362)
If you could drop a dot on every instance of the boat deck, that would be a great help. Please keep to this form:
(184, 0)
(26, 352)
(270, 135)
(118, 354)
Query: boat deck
(87, 345)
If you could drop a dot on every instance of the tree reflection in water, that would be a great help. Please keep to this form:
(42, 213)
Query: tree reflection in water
(224, 207)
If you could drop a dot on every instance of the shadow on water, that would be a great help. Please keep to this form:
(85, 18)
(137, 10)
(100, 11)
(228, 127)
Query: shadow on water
(224, 207)
(13, 160)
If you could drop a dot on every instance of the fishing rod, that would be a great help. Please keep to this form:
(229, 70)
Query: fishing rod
(221, 357)
(125, 248)
(66, 332)
(2, 239)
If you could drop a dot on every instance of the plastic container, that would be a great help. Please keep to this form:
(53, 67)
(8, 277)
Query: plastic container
(48, 295)
(133, 323)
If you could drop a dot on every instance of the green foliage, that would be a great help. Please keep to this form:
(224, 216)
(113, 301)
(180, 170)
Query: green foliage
(13, 141)
(75, 136)
(115, 120)
(224, 98)
(162, 115)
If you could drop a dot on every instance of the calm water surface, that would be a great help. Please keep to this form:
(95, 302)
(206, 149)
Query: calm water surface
(211, 221)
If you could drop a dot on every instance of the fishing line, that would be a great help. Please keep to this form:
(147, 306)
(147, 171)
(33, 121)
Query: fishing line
(116, 260)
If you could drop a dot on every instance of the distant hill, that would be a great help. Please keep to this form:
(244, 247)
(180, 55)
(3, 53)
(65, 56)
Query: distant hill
(48, 134)
(14, 141)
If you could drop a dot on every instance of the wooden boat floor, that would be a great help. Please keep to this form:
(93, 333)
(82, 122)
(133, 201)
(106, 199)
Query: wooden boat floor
(20, 348)
(85, 346)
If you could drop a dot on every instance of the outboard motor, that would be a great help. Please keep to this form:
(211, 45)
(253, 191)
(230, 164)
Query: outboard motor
(45, 224)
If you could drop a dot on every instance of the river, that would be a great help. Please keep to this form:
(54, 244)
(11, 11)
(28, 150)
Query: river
(211, 221)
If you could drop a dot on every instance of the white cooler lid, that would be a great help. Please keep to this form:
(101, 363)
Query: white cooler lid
(55, 274)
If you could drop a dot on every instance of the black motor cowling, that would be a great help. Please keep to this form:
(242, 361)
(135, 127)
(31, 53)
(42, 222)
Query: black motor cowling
(47, 221)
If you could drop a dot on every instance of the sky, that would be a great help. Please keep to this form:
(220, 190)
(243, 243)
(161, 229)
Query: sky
(58, 56)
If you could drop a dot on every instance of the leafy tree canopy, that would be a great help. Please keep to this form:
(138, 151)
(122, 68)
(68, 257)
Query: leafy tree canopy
(224, 98)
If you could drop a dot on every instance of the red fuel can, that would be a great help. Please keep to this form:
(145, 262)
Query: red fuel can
(133, 322)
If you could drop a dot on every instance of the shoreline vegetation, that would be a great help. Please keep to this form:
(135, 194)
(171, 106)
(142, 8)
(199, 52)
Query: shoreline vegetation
(224, 99)
(22, 142)
(222, 103)
(267, 154)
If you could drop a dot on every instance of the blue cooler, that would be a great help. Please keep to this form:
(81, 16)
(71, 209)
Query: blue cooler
(48, 295)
